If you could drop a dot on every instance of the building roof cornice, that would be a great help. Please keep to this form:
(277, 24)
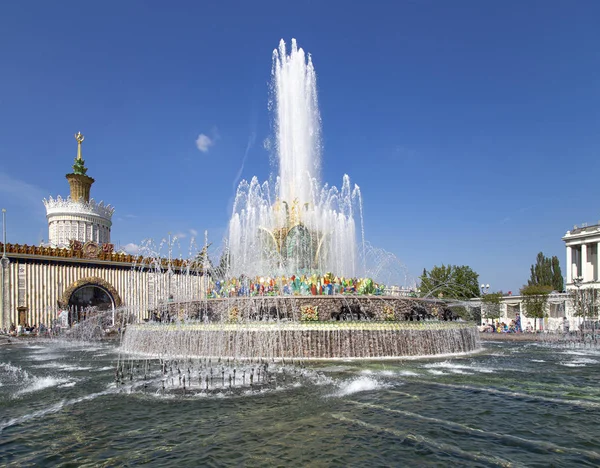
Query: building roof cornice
(60, 205)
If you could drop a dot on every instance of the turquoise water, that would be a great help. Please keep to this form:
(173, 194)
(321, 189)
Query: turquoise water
(512, 404)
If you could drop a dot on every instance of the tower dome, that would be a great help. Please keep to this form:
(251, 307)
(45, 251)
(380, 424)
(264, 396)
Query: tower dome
(78, 217)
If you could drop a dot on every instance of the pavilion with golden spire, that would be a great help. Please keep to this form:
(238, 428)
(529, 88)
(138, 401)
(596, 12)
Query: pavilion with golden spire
(78, 218)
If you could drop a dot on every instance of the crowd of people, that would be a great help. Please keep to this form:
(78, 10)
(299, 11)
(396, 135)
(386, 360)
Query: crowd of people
(514, 326)
(20, 330)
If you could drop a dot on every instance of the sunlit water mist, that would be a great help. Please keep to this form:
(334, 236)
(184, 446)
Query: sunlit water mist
(299, 225)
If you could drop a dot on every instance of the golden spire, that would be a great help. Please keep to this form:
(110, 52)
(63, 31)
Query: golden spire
(79, 137)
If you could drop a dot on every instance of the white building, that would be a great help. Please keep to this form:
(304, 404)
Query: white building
(559, 306)
(583, 267)
(78, 218)
(79, 268)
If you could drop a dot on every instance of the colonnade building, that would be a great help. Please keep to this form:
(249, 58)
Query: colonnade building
(78, 268)
(581, 299)
(583, 261)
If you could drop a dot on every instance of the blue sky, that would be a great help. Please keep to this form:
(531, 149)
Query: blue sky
(472, 127)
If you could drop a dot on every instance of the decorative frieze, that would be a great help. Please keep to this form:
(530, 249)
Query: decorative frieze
(65, 206)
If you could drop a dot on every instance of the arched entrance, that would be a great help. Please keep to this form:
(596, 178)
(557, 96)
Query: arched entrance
(89, 295)
(90, 298)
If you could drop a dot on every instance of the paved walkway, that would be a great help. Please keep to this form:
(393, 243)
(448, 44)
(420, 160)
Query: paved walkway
(512, 336)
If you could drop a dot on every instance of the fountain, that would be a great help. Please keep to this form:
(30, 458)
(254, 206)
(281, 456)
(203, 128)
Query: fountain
(299, 226)
(276, 296)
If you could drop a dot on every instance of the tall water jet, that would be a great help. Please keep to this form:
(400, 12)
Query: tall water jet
(297, 122)
(299, 226)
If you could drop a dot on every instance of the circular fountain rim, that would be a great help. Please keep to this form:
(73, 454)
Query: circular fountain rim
(291, 325)
(274, 329)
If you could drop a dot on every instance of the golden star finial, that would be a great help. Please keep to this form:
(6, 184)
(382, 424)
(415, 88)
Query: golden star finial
(79, 137)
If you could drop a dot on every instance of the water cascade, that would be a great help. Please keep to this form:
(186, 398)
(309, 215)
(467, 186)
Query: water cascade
(278, 341)
(299, 226)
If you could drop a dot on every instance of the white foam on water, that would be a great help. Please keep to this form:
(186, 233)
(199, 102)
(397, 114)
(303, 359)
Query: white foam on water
(409, 373)
(75, 368)
(582, 352)
(100, 369)
(93, 348)
(585, 361)
(80, 345)
(458, 368)
(67, 385)
(40, 383)
(385, 373)
(337, 369)
(537, 360)
(46, 357)
(8, 367)
(62, 366)
(12, 373)
(221, 393)
(437, 372)
(574, 353)
(579, 362)
(360, 384)
(319, 379)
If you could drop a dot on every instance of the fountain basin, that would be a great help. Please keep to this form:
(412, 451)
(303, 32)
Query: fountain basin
(330, 308)
(302, 340)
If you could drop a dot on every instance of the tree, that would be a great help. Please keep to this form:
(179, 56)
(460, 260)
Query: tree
(585, 302)
(490, 306)
(546, 272)
(202, 261)
(557, 277)
(450, 282)
(535, 299)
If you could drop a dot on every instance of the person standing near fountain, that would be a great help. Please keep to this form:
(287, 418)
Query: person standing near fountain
(565, 326)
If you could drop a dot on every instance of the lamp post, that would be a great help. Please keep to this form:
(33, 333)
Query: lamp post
(169, 297)
(577, 283)
(4, 262)
(484, 289)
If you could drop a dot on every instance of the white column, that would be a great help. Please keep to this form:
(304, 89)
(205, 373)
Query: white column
(597, 275)
(569, 264)
(584, 265)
